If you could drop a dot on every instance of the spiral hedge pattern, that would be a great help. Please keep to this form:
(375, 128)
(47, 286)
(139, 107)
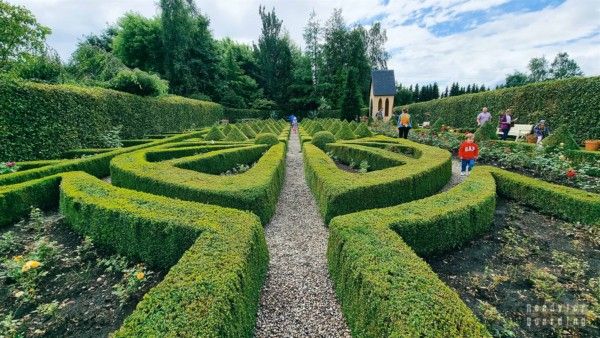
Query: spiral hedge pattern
(382, 222)
(169, 206)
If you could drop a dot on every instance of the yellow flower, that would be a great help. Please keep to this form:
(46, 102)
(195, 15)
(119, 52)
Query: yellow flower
(140, 275)
(30, 265)
(17, 258)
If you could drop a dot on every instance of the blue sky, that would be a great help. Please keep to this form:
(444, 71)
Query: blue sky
(430, 40)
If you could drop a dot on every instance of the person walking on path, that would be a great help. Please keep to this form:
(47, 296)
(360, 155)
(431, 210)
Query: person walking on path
(468, 152)
(404, 123)
(505, 123)
(483, 117)
(294, 121)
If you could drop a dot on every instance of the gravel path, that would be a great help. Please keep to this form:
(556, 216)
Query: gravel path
(298, 299)
(456, 178)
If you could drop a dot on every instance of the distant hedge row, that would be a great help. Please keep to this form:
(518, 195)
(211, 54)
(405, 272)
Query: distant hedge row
(41, 121)
(573, 102)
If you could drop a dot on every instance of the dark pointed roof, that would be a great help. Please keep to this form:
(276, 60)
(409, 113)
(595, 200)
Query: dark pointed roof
(384, 83)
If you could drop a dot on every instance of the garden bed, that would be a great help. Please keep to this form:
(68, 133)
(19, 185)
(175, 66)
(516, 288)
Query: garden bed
(55, 283)
(529, 259)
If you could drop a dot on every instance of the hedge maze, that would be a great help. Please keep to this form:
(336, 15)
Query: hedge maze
(195, 204)
(175, 204)
(382, 222)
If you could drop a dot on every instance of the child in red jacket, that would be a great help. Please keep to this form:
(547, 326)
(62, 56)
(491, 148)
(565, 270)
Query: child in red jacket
(468, 153)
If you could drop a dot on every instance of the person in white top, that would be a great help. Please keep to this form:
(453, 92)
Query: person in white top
(483, 117)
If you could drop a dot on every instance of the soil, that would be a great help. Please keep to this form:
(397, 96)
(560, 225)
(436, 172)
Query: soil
(529, 258)
(345, 167)
(73, 294)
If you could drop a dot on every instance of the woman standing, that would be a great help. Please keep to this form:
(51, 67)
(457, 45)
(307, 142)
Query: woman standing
(505, 123)
(404, 123)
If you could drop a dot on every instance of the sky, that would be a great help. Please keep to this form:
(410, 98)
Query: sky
(429, 40)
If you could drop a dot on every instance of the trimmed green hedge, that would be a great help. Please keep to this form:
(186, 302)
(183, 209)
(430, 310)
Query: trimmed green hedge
(97, 165)
(27, 165)
(563, 202)
(385, 289)
(572, 102)
(16, 200)
(339, 192)
(42, 121)
(77, 153)
(255, 190)
(212, 290)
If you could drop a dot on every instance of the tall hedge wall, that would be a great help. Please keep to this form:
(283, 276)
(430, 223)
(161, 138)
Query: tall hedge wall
(574, 102)
(40, 121)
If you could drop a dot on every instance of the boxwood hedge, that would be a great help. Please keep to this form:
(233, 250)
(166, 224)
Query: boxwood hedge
(42, 121)
(572, 102)
(217, 257)
(256, 190)
(339, 192)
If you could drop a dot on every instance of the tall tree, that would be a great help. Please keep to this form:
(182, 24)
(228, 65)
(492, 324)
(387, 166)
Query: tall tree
(435, 91)
(351, 100)
(335, 41)
(357, 58)
(311, 36)
(178, 24)
(376, 39)
(538, 69)
(516, 79)
(20, 34)
(564, 67)
(138, 42)
(274, 58)
(304, 96)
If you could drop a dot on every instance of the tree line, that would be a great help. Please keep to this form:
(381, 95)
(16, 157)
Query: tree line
(175, 52)
(540, 69)
(407, 95)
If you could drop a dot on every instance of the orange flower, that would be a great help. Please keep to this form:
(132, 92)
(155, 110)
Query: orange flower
(140, 275)
(30, 265)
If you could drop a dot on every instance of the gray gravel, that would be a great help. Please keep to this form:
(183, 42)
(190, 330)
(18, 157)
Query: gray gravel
(456, 178)
(298, 299)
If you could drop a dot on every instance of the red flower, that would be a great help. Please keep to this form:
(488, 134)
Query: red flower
(571, 173)
(10, 164)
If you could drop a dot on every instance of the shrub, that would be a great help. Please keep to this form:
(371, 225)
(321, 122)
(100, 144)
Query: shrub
(268, 129)
(46, 67)
(573, 102)
(385, 289)
(322, 138)
(266, 138)
(247, 130)
(215, 134)
(437, 125)
(193, 178)
(82, 115)
(345, 133)
(317, 127)
(227, 128)
(486, 132)
(235, 135)
(339, 192)
(217, 258)
(334, 127)
(139, 82)
(561, 135)
(363, 131)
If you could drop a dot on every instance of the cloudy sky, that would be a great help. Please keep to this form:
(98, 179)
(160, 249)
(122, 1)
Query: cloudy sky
(430, 40)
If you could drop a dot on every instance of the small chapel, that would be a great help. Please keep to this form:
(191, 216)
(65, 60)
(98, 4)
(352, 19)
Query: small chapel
(383, 89)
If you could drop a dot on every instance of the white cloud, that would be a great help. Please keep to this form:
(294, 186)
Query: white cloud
(484, 54)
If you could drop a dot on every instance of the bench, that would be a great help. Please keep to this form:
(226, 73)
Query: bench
(518, 130)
